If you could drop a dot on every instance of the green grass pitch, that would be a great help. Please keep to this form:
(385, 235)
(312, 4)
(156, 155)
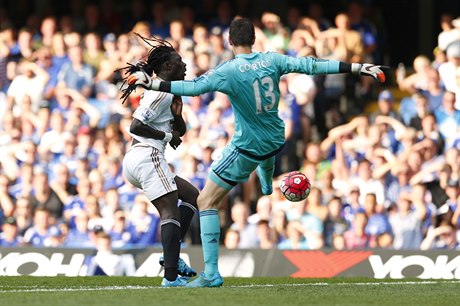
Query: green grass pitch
(29, 290)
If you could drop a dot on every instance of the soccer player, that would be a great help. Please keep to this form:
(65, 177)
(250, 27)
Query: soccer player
(156, 122)
(251, 82)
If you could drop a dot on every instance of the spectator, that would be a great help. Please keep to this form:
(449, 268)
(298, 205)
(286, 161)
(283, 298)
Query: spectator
(328, 191)
(93, 53)
(434, 91)
(448, 71)
(385, 106)
(356, 237)
(79, 234)
(40, 231)
(76, 203)
(178, 34)
(316, 12)
(448, 119)
(232, 239)
(367, 184)
(280, 223)
(76, 74)
(264, 235)
(56, 237)
(9, 234)
(24, 215)
(316, 206)
(366, 28)
(296, 239)
(450, 31)
(352, 206)
(61, 184)
(159, 25)
(44, 196)
(93, 210)
(377, 221)
(420, 194)
(441, 238)
(120, 233)
(28, 84)
(263, 210)
(451, 205)
(335, 224)
(6, 200)
(51, 140)
(248, 232)
(219, 53)
(275, 31)
(145, 224)
(419, 79)
(113, 177)
(407, 222)
(105, 263)
(48, 28)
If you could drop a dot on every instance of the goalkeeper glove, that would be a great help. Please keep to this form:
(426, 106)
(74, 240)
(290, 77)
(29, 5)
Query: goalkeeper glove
(374, 71)
(143, 79)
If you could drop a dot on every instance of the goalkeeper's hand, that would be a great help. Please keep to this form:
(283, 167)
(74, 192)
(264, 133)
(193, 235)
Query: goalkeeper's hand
(143, 79)
(372, 70)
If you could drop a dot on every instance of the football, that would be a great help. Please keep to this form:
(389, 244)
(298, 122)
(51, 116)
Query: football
(295, 186)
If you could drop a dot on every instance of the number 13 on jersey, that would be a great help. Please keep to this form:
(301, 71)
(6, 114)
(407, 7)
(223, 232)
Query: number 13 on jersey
(265, 100)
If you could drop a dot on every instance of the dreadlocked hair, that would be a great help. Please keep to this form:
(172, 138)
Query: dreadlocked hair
(160, 53)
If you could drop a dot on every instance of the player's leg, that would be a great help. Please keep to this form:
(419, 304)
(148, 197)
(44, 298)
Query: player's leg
(157, 181)
(188, 207)
(170, 232)
(188, 194)
(265, 172)
(233, 167)
(208, 201)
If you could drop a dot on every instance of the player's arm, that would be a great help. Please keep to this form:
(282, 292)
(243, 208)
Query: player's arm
(176, 109)
(139, 128)
(194, 87)
(310, 65)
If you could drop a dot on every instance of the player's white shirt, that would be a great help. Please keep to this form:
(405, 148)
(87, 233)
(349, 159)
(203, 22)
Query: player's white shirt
(144, 165)
(154, 110)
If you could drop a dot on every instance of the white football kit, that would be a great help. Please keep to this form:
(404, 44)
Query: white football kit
(144, 165)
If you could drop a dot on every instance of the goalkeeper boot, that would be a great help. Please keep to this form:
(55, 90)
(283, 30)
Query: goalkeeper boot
(182, 268)
(202, 281)
(179, 282)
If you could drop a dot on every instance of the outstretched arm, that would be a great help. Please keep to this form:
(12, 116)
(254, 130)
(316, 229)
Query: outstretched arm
(290, 64)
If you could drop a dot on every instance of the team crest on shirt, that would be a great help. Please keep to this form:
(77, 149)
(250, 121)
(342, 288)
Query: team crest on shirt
(146, 115)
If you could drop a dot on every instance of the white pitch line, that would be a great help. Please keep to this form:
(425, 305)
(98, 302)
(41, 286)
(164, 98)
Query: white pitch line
(113, 288)
(80, 289)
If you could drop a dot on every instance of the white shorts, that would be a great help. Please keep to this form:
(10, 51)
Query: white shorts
(146, 168)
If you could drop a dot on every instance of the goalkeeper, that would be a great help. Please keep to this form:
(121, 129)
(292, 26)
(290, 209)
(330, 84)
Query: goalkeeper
(251, 82)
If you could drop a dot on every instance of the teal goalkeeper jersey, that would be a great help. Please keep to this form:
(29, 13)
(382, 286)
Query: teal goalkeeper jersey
(251, 83)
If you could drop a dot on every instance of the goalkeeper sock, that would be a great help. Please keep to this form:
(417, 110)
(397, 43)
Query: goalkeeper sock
(210, 236)
(170, 239)
(265, 173)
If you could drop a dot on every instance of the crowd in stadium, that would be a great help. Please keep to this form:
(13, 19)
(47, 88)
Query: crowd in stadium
(384, 161)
